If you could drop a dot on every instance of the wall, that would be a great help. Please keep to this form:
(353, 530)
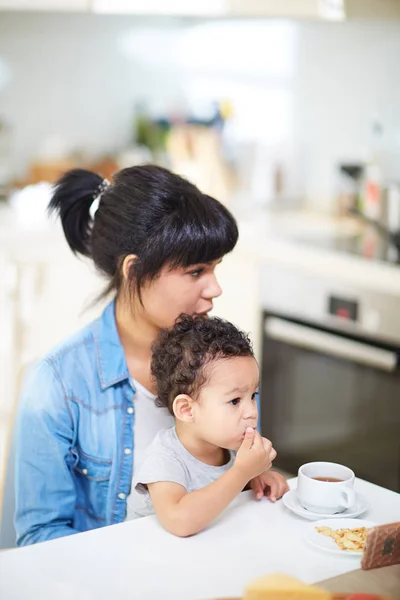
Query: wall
(304, 93)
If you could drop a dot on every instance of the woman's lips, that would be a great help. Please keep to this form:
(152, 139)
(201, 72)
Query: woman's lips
(204, 313)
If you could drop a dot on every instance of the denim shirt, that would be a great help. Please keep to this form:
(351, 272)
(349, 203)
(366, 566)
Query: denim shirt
(75, 443)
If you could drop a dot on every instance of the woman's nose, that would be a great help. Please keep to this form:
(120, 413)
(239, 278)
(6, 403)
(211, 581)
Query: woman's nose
(213, 289)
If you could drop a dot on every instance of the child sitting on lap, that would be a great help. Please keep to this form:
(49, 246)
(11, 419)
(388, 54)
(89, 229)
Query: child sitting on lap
(207, 376)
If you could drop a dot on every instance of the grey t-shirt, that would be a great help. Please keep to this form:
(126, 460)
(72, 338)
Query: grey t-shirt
(166, 459)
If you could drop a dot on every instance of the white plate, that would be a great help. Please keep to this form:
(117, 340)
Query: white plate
(328, 544)
(291, 501)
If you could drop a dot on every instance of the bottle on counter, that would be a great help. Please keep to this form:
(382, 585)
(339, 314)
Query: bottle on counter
(350, 176)
(373, 177)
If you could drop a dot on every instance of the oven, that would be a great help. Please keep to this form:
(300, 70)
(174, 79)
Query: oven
(330, 375)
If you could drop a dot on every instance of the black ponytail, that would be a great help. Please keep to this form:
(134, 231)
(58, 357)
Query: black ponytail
(147, 211)
(73, 196)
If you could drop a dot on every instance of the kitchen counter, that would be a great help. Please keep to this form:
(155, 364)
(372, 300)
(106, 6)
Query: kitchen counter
(305, 240)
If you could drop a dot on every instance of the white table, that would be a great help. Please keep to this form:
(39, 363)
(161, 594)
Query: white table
(139, 560)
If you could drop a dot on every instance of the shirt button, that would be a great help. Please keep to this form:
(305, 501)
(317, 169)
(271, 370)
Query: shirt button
(127, 450)
(130, 410)
(122, 496)
(84, 471)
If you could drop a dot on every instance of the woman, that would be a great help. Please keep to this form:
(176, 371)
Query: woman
(88, 408)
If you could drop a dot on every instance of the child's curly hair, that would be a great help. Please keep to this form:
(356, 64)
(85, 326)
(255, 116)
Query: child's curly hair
(181, 354)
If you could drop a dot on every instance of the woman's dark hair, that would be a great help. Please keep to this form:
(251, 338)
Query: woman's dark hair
(181, 354)
(147, 211)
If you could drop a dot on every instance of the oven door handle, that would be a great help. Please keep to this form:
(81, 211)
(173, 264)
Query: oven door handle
(331, 344)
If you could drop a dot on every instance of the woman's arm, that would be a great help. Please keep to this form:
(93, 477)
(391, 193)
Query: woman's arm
(44, 489)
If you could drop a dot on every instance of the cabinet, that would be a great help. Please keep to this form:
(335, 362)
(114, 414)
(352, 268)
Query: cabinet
(48, 5)
(44, 297)
(8, 286)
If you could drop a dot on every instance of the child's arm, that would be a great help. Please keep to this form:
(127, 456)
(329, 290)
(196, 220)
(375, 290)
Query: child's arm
(184, 514)
(270, 484)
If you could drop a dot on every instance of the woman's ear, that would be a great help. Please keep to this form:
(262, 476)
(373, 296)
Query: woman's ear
(127, 264)
(183, 408)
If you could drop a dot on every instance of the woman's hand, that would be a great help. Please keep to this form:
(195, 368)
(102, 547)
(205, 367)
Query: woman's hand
(270, 484)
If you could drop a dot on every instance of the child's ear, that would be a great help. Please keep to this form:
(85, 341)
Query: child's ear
(183, 408)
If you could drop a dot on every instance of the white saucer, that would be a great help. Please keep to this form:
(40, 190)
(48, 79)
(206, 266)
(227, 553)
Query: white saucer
(291, 501)
(327, 544)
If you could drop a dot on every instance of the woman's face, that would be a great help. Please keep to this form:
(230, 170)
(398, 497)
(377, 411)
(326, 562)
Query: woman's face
(188, 290)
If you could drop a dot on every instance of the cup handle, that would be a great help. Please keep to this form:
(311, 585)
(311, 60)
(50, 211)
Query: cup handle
(348, 497)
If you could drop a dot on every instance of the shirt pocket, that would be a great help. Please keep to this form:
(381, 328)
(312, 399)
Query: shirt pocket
(92, 476)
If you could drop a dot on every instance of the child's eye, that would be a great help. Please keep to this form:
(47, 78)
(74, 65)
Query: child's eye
(254, 396)
(235, 402)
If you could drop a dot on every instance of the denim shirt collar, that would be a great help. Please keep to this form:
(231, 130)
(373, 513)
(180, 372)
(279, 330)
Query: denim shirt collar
(110, 353)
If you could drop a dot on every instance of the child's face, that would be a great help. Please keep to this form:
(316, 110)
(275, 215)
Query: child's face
(227, 403)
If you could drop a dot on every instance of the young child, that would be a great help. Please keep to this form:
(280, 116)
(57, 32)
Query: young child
(207, 376)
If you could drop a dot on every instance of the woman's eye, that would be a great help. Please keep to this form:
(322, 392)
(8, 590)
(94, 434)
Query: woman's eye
(196, 273)
(235, 402)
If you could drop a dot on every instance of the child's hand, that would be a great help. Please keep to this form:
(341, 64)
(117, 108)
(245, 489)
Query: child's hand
(270, 484)
(255, 454)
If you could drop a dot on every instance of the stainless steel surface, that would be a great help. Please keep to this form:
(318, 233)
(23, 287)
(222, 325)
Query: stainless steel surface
(330, 398)
(374, 244)
(298, 293)
(381, 238)
(327, 343)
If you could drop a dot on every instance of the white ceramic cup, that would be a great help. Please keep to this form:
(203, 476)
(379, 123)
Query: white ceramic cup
(325, 497)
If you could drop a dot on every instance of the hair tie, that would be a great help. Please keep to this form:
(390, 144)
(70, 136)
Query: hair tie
(97, 196)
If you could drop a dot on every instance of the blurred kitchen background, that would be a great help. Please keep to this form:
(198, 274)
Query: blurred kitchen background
(288, 111)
